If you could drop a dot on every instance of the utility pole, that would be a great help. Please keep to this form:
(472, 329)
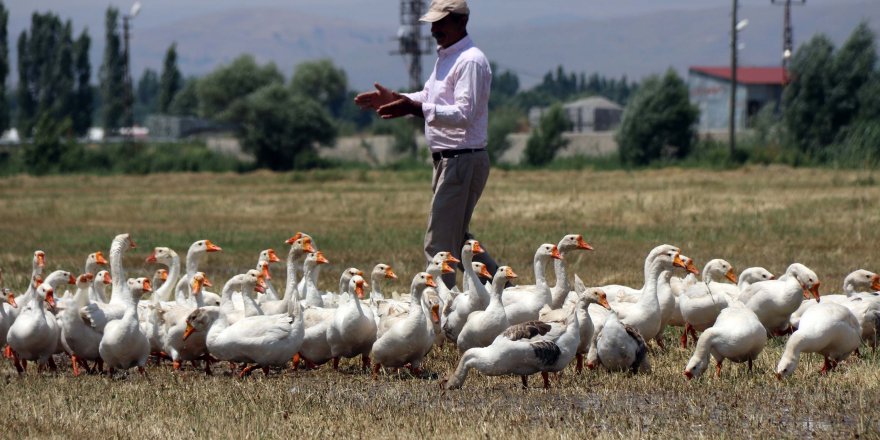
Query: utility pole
(128, 119)
(787, 38)
(412, 45)
(731, 126)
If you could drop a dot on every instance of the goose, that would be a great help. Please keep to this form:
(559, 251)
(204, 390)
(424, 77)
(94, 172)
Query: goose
(269, 256)
(457, 311)
(194, 255)
(523, 303)
(483, 326)
(446, 295)
(80, 340)
(160, 276)
(702, 302)
(123, 344)
(592, 295)
(264, 341)
(737, 335)
(618, 347)
(34, 334)
(311, 269)
(300, 245)
(560, 291)
(227, 309)
(353, 329)
(55, 280)
(94, 261)
(858, 284)
(409, 340)
(678, 284)
(301, 285)
(332, 299)
(775, 300)
(6, 309)
(98, 314)
(37, 265)
(520, 351)
(829, 329)
(168, 257)
(380, 272)
(617, 292)
(674, 287)
(173, 327)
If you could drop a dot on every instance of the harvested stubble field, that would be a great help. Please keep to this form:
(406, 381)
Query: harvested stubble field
(828, 220)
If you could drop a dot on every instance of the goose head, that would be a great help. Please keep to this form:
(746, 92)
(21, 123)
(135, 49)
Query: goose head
(421, 281)
(786, 365)
(383, 271)
(695, 367)
(593, 295)
(59, 277)
(445, 256)
(39, 260)
(356, 285)
(861, 281)
(96, 259)
(689, 265)
(303, 245)
(47, 293)
(572, 242)
(472, 247)
(660, 250)
(162, 255)
(269, 255)
(10, 297)
(252, 281)
(200, 280)
(202, 246)
(718, 268)
(295, 237)
(159, 277)
(806, 278)
(502, 275)
(668, 258)
(756, 274)
(481, 270)
(350, 273)
(316, 258)
(83, 281)
(199, 320)
(547, 251)
(103, 277)
(263, 268)
(139, 286)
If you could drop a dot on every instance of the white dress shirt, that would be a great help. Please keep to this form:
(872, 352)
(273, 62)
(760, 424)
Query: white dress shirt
(455, 99)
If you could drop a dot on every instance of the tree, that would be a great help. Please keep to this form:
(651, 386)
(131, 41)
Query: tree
(147, 95)
(4, 66)
(280, 128)
(505, 86)
(186, 100)
(852, 68)
(807, 117)
(222, 92)
(546, 140)
(659, 121)
(172, 80)
(24, 96)
(502, 122)
(323, 82)
(112, 74)
(81, 119)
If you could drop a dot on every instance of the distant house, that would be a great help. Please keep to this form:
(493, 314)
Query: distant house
(709, 89)
(586, 115)
(174, 128)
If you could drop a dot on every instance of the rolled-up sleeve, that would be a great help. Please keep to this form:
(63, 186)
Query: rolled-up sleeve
(472, 84)
(420, 96)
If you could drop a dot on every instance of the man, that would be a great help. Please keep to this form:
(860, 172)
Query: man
(455, 106)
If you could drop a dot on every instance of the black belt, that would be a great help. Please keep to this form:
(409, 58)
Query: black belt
(446, 154)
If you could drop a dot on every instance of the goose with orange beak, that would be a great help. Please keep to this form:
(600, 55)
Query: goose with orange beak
(737, 335)
(174, 327)
(194, 256)
(569, 244)
(311, 269)
(591, 295)
(34, 334)
(353, 329)
(483, 326)
(524, 302)
(472, 299)
(79, 340)
(408, 341)
(774, 301)
(828, 329)
(99, 314)
(702, 302)
(300, 245)
(124, 345)
(268, 256)
(6, 308)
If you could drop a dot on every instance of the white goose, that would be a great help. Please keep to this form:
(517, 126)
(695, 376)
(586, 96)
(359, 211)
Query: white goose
(774, 301)
(619, 293)
(38, 263)
(380, 272)
(194, 255)
(409, 340)
(569, 243)
(160, 276)
(702, 302)
(34, 334)
(592, 295)
(94, 261)
(737, 335)
(80, 340)
(353, 330)
(520, 351)
(829, 329)
(97, 314)
(269, 256)
(333, 299)
(618, 347)
(524, 302)
(859, 284)
(483, 326)
(173, 327)
(311, 269)
(299, 247)
(169, 258)
(7, 305)
(124, 345)
(457, 311)
(674, 287)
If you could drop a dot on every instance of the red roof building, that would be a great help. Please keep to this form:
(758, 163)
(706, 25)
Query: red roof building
(757, 87)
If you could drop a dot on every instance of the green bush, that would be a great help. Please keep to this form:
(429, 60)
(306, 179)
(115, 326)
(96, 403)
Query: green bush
(546, 139)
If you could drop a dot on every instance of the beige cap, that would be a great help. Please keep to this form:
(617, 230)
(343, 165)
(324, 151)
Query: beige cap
(442, 8)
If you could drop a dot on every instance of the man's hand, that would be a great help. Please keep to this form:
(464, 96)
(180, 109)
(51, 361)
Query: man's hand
(401, 107)
(377, 98)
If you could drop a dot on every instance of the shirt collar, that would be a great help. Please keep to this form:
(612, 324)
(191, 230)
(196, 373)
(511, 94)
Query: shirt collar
(459, 46)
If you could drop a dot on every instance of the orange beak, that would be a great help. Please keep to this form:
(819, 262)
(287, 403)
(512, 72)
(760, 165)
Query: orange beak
(510, 274)
(875, 283)
(41, 260)
(476, 248)
(11, 300)
(189, 330)
(196, 286)
(50, 298)
(452, 260)
(555, 253)
(322, 259)
(107, 279)
(307, 245)
(690, 267)
(429, 281)
(261, 285)
(390, 274)
(211, 247)
(435, 313)
(266, 272)
(731, 276)
(272, 257)
(99, 258)
(359, 289)
(677, 262)
(772, 277)
(295, 237)
(815, 290)
(37, 281)
(152, 257)
(583, 244)
(485, 272)
(447, 268)
(71, 279)
(603, 300)
(163, 275)
(147, 287)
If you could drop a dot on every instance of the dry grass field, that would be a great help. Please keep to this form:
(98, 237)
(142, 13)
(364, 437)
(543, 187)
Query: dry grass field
(828, 220)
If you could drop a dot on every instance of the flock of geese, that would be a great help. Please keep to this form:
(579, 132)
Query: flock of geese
(498, 328)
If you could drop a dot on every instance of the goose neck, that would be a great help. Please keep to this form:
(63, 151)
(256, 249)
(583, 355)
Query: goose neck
(193, 259)
(163, 293)
(291, 272)
(540, 264)
(559, 267)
